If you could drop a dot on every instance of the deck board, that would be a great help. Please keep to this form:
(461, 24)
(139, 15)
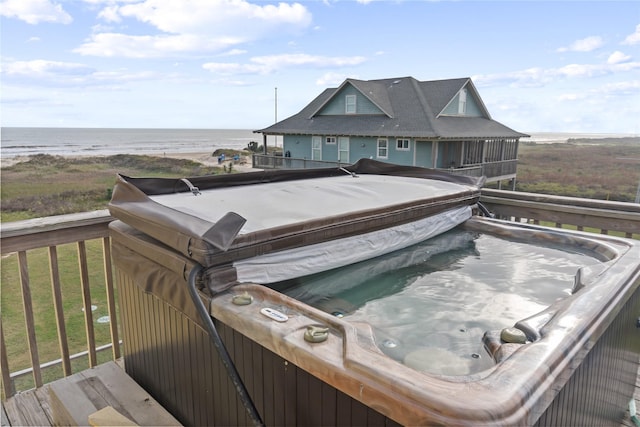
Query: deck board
(70, 400)
(30, 408)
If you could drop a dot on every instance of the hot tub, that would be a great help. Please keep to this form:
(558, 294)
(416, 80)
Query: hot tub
(329, 361)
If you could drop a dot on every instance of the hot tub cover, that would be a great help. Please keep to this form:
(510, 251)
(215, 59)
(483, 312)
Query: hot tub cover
(256, 218)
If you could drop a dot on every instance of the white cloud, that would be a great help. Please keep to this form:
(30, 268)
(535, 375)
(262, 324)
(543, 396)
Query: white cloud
(41, 68)
(44, 73)
(628, 88)
(618, 57)
(621, 88)
(35, 11)
(110, 14)
(122, 45)
(570, 97)
(538, 77)
(192, 26)
(227, 68)
(633, 38)
(579, 70)
(332, 79)
(531, 77)
(271, 63)
(287, 60)
(216, 18)
(584, 45)
(234, 52)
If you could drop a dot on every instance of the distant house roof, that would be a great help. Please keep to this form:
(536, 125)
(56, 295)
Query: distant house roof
(407, 108)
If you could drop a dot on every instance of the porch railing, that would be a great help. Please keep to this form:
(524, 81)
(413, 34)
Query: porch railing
(19, 237)
(492, 170)
(269, 161)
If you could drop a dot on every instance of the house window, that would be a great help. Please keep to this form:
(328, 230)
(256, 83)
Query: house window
(383, 150)
(462, 102)
(350, 104)
(402, 144)
(316, 148)
(330, 140)
(343, 149)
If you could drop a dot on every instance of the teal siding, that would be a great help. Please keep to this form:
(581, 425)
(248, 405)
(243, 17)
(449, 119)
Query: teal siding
(357, 151)
(337, 105)
(298, 145)
(473, 108)
(401, 157)
(366, 147)
(424, 154)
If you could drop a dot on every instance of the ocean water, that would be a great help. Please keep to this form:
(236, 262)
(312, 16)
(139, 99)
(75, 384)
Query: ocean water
(17, 142)
(96, 142)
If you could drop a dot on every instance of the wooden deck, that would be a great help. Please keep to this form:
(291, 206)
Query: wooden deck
(76, 399)
(40, 407)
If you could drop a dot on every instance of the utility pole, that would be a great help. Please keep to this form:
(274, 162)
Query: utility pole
(276, 113)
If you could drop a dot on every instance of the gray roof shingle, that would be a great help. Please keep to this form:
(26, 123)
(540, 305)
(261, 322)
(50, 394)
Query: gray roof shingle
(409, 108)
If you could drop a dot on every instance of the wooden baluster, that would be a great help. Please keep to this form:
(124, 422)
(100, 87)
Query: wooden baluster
(111, 301)
(7, 382)
(28, 318)
(59, 311)
(86, 302)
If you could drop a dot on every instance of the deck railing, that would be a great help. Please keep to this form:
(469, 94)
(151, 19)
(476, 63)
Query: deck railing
(19, 237)
(599, 216)
(16, 238)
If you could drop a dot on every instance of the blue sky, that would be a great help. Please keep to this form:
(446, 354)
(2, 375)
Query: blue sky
(555, 66)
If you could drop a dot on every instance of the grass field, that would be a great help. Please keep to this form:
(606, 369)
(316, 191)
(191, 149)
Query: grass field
(46, 185)
(606, 169)
(53, 185)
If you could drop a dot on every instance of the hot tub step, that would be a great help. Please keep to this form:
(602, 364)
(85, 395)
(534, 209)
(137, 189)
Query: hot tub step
(78, 397)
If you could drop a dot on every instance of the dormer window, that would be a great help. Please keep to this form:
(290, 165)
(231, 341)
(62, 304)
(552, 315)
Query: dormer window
(462, 102)
(350, 104)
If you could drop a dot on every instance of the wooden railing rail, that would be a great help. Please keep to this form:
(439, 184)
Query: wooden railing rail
(19, 237)
(604, 216)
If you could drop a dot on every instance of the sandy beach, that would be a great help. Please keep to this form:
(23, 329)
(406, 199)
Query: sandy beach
(243, 165)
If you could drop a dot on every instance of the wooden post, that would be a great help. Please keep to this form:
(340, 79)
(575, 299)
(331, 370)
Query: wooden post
(59, 312)
(111, 299)
(86, 302)
(29, 319)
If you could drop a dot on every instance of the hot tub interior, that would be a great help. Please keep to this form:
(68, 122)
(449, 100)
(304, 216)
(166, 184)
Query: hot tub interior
(431, 304)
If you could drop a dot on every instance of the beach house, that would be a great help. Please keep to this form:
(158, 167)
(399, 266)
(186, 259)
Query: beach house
(440, 124)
